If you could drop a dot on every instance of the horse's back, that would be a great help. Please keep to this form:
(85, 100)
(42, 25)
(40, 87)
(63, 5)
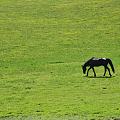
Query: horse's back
(98, 62)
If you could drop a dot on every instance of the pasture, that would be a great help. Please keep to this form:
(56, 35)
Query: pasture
(43, 44)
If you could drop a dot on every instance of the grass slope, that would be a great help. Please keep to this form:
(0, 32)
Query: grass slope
(42, 46)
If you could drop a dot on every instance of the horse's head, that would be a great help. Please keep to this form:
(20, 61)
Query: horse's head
(84, 69)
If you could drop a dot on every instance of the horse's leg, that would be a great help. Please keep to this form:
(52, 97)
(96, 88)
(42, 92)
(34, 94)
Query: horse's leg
(88, 71)
(105, 71)
(94, 72)
(109, 71)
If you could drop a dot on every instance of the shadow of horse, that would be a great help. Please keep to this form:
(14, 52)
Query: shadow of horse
(104, 77)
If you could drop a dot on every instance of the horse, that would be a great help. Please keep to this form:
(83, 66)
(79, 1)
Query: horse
(95, 62)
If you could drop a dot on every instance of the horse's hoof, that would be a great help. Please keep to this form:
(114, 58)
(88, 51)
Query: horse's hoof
(94, 75)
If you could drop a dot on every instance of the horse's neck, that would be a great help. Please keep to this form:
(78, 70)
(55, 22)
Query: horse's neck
(86, 64)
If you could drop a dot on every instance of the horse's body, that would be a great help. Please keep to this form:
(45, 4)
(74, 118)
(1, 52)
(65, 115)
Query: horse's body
(94, 62)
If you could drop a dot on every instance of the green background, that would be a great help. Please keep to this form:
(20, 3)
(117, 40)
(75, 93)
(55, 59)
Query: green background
(43, 44)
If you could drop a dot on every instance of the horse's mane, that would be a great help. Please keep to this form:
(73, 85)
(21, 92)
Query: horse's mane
(89, 60)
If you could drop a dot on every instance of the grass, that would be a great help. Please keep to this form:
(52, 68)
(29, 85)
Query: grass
(43, 45)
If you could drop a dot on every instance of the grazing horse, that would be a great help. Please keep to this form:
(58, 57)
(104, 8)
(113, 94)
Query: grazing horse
(94, 62)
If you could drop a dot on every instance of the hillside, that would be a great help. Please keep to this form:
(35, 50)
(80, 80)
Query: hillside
(43, 44)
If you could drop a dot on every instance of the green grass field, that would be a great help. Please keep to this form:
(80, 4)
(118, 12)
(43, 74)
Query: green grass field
(43, 44)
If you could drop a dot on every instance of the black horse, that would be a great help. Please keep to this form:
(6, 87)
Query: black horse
(94, 62)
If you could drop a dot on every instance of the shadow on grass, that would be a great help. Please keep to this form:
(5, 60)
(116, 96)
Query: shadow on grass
(99, 77)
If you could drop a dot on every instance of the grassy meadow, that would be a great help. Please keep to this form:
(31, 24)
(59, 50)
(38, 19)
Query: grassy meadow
(43, 44)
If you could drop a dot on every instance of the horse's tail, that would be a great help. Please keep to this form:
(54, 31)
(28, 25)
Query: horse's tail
(110, 62)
